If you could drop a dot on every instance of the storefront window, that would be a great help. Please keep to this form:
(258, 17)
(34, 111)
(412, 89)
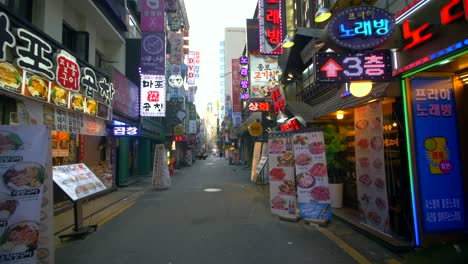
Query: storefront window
(373, 174)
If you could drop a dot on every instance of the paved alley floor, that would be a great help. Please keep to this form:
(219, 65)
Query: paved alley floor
(186, 224)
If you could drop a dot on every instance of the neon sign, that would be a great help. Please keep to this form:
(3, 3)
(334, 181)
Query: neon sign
(292, 125)
(119, 131)
(271, 30)
(244, 78)
(278, 100)
(361, 27)
(259, 106)
(344, 67)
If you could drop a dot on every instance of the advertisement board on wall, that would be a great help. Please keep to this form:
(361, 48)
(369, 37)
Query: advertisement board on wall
(263, 71)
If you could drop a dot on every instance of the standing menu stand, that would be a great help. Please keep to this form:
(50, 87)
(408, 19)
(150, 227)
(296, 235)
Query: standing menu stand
(78, 182)
(259, 171)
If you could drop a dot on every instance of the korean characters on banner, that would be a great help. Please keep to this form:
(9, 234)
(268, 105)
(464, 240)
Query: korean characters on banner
(153, 95)
(59, 81)
(311, 175)
(236, 77)
(270, 23)
(24, 155)
(152, 15)
(281, 175)
(440, 178)
(370, 166)
(263, 71)
(244, 78)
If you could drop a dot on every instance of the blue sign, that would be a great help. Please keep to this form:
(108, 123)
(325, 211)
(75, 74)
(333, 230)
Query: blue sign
(315, 211)
(437, 153)
(361, 27)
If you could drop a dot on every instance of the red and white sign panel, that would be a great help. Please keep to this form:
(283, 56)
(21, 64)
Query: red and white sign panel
(153, 95)
(373, 65)
(270, 24)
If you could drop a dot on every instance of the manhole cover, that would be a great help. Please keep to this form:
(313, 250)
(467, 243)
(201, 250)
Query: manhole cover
(212, 190)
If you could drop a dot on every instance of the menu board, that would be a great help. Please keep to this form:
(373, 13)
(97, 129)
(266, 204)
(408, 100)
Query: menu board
(311, 175)
(24, 155)
(77, 181)
(281, 175)
(370, 166)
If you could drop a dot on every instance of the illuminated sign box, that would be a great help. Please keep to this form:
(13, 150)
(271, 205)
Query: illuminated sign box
(361, 27)
(362, 66)
(125, 131)
(259, 106)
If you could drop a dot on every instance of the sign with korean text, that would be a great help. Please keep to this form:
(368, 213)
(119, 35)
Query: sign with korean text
(259, 106)
(236, 78)
(125, 131)
(437, 29)
(373, 65)
(24, 155)
(270, 25)
(153, 95)
(263, 71)
(126, 96)
(440, 178)
(77, 180)
(152, 15)
(293, 124)
(192, 126)
(44, 72)
(244, 82)
(361, 27)
(278, 100)
(177, 46)
(153, 53)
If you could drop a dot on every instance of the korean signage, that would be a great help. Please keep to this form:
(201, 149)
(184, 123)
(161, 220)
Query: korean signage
(126, 96)
(177, 48)
(152, 15)
(236, 78)
(153, 53)
(60, 81)
(153, 95)
(125, 130)
(259, 106)
(278, 100)
(192, 126)
(263, 71)
(440, 177)
(344, 67)
(291, 125)
(244, 78)
(270, 24)
(192, 90)
(361, 27)
(255, 129)
(437, 29)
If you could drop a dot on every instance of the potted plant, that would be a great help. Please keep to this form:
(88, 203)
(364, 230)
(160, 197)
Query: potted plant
(335, 153)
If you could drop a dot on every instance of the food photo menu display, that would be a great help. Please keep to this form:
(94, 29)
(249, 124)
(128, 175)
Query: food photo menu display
(23, 169)
(77, 181)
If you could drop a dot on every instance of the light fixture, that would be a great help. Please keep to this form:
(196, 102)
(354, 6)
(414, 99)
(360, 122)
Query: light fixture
(394, 124)
(463, 77)
(281, 117)
(360, 89)
(288, 42)
(329, 50)
(444, 62)
(323, 14)
(339, 114)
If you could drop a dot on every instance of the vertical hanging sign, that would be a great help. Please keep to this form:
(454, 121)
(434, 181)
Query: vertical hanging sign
(271, 29)
(153, 95)
(152, 15)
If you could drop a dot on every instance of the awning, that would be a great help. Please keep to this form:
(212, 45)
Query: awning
(301, 109)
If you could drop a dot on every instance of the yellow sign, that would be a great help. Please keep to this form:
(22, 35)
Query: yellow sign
(255, 129)
(178, 130)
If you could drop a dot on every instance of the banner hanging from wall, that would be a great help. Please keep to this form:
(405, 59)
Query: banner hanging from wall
(370, 166)
(153, 53)
(153, 95)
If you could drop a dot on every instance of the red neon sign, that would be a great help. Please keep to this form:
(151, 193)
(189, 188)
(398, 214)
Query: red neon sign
(278, 100)
(293, 125)
(447, 16)
(259, 106)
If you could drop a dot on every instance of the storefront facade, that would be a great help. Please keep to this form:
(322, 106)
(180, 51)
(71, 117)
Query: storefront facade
(53, 88)
(433, 69)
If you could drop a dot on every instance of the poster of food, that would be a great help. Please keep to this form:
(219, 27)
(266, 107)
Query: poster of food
(311, 175)
(60, 144)
(281, 175)
(77, 180)
(24, 154)
(11, 77)
(370, 167)
(36, 87)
